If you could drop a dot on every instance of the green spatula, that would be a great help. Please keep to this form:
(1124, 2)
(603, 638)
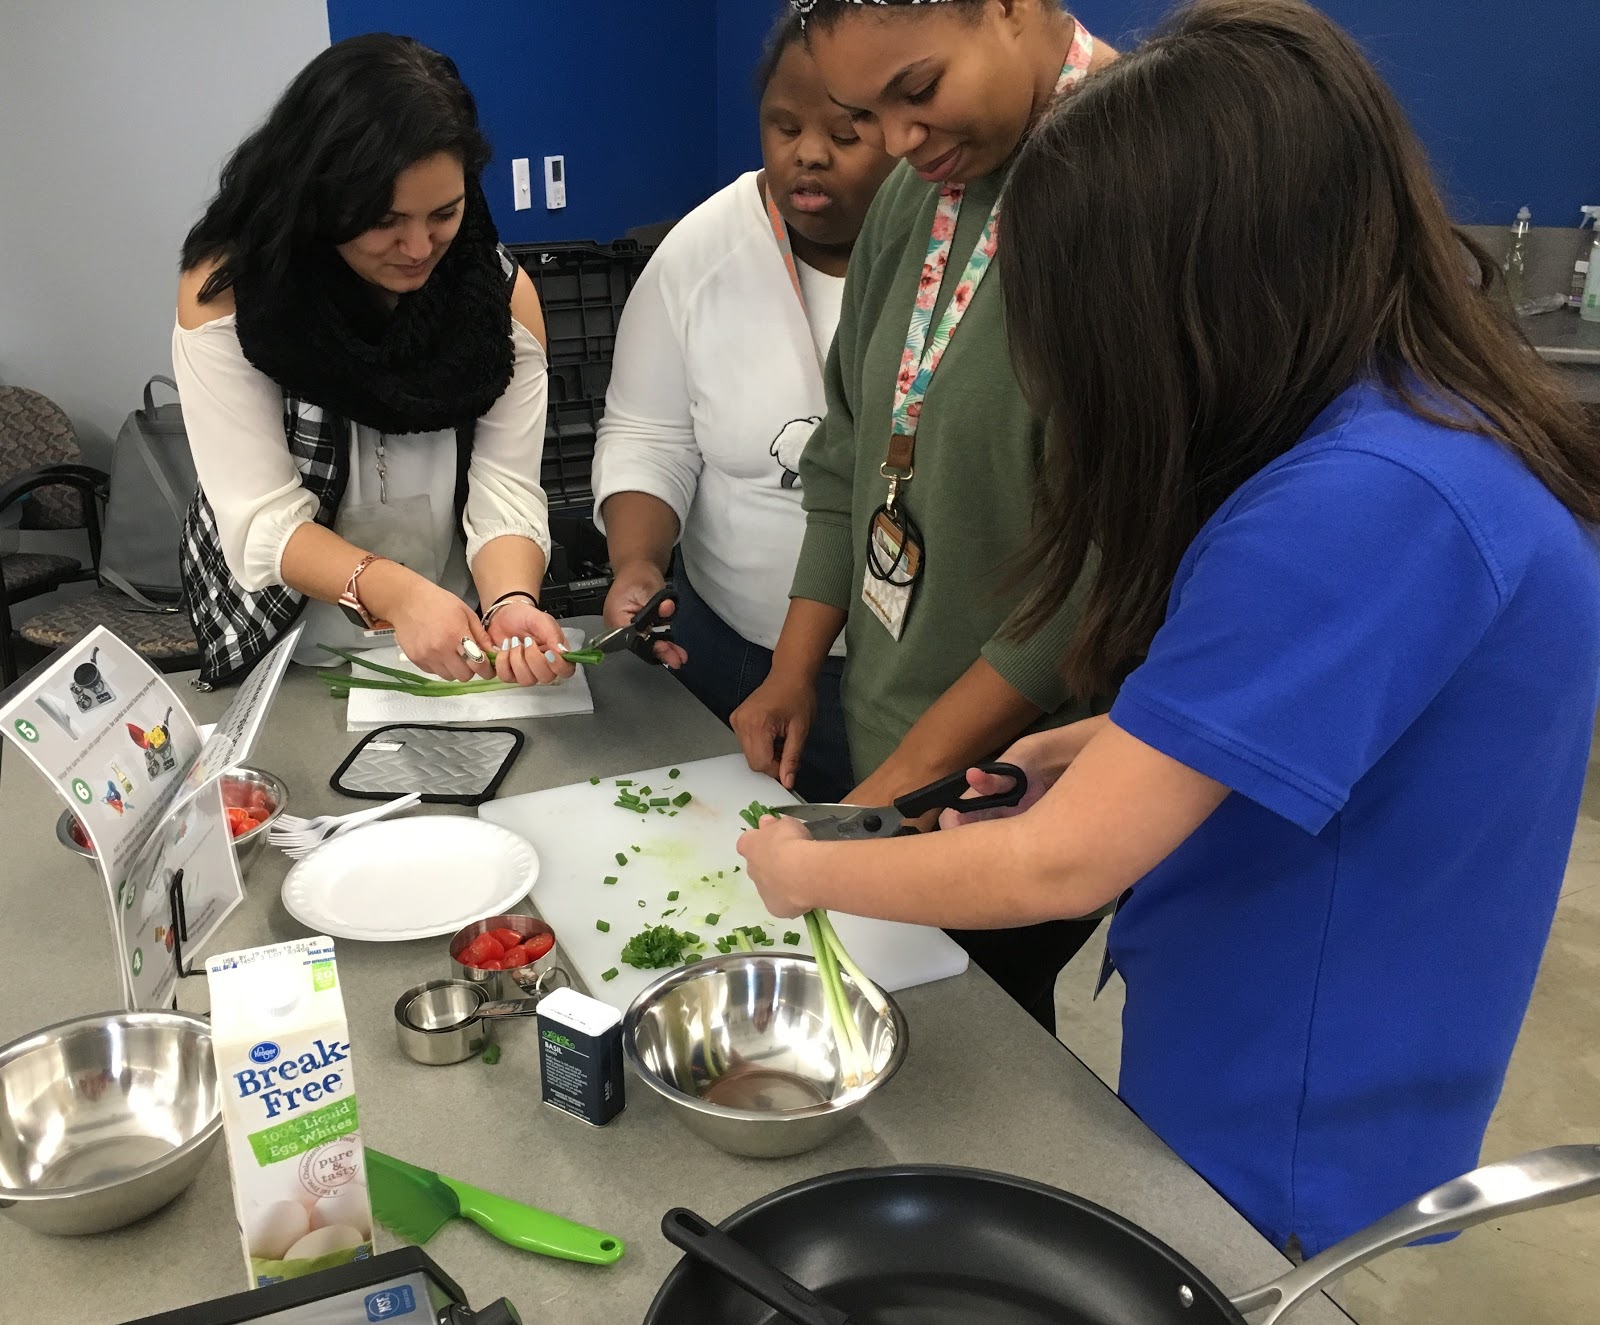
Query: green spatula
(416, 1203)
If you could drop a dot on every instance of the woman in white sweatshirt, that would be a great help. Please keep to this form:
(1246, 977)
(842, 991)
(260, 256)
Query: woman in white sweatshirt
(717, 386)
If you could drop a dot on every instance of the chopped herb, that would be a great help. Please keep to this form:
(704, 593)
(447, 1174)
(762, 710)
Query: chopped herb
(621, 859)
(660, 800)
(791, 938)
(491, 1055)
(682, 799)
(673, 895)
(692, 957)
(673, 815)
(691, 938)
(610, 878)
(594, 782)
(624, 782)
(712, 918)
(604, 926)
(719, 874)
(655, 947)
(609, 975)
(675, 772)
(645, 791)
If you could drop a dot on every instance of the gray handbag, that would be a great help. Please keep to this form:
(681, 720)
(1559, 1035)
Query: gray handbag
(152, 483)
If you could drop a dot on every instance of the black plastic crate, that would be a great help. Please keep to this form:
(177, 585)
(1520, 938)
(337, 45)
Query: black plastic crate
(579, 575)
(582, 288)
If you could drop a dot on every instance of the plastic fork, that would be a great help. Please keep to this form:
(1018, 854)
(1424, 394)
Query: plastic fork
(300, 837)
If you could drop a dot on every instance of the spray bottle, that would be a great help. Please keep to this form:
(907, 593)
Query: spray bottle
(1580, 268)
(1515, 266)
(1589, 310)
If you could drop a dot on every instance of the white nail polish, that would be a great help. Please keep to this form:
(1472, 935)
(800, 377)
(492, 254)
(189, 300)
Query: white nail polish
(504, 645)
(527, 641)
(550, 657)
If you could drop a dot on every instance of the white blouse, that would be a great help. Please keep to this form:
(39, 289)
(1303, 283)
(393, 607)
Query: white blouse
(715, 392)
(233, 414)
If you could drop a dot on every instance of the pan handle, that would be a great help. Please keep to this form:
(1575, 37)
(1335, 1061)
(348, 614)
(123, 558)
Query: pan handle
(1528, 1182)
(709, 1245)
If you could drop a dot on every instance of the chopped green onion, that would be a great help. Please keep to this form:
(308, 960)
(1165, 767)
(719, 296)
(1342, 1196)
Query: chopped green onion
(610, 878)
(674, 772)
(609, 975)
(660, 800)
(791, 938)
(622, 859)
(673, 895)
(682, 799)
(624, 782)
(491, 1055)
(594, 782)
(712, 918)
(604, 926)
(641, 901)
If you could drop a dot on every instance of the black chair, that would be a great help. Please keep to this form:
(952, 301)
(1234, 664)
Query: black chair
(41, 468)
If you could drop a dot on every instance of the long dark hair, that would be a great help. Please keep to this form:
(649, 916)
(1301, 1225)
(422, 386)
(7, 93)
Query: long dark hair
(321, 168)
(1200, 250)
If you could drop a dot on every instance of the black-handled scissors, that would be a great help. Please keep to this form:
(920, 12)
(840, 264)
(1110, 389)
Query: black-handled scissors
(849, 823)
(647, 629)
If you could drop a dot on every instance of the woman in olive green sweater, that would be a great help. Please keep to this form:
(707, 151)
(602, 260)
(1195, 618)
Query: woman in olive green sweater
(951, 87)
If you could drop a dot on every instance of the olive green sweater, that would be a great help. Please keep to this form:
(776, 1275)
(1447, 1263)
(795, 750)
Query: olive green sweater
(977, 451)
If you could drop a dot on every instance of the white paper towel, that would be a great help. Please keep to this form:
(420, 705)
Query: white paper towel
(378, 708)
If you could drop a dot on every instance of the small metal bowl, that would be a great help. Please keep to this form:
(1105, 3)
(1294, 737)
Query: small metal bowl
(104, 1119)
(741, 1048)
(247, 846)
(536, 979)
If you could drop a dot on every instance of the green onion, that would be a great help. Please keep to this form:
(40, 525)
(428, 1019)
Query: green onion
(682, 799)
(624, 782)
(660, 800)
(622, 859)
(610, 878)
(604, 926)
(585, 657)
(792, 937)
(674, 772)
(491, 1055)
(673, 895)
(712, 918)
(609, 975)
(594, 782)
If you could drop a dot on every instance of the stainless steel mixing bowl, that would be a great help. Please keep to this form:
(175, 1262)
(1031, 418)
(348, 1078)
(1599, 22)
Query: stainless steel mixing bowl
(247, 846)
(104, 1119)
(740, 1046)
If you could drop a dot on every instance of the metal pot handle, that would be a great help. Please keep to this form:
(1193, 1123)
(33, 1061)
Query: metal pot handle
(1528, 1182)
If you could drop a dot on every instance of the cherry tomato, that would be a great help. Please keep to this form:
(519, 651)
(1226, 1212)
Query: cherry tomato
(239, 821)
(508, 937)
(480, 949)
(514, 958)
(489, 964)
(539, 944)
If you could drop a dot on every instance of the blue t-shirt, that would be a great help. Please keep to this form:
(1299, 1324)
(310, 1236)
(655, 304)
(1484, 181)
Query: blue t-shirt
(1387, 645)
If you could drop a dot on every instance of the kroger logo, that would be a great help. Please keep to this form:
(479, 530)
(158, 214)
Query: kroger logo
(264, 1052)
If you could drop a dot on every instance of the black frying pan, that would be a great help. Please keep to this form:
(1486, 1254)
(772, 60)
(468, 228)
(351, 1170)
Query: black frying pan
(929, 1245)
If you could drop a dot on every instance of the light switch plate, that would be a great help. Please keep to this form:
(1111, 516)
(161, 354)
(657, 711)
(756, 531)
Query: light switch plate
(555, 182)
(521, 184)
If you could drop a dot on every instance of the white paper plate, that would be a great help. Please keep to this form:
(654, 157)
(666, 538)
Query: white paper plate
(410, 879)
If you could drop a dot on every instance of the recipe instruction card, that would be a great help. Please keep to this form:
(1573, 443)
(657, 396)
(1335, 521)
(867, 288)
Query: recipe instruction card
(114, 740)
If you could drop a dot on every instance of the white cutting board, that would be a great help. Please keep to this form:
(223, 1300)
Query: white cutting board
(578, 830)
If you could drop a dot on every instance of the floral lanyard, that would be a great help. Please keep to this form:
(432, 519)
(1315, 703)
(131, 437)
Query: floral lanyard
(924, 353)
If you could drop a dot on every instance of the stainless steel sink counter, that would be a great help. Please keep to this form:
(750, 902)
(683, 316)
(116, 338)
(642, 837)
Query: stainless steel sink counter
(981, 1086)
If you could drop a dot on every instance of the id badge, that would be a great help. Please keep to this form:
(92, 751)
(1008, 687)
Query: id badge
(894, 562)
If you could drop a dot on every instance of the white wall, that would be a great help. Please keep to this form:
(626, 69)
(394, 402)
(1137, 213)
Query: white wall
(114, 118)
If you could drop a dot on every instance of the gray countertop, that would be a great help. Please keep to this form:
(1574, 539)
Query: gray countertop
(1564, 338)
(982, 1085)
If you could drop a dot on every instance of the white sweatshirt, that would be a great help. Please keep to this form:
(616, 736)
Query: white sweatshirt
(715, 390)
(233, 413)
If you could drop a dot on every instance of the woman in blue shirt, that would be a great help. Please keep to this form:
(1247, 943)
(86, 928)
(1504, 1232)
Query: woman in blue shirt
(1345, 529)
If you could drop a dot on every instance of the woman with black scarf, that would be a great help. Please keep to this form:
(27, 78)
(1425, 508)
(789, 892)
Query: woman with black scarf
(363, 376)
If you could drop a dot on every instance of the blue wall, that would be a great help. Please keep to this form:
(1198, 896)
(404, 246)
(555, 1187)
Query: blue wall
(1501, 94)
(742, 28)
(625, 89)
